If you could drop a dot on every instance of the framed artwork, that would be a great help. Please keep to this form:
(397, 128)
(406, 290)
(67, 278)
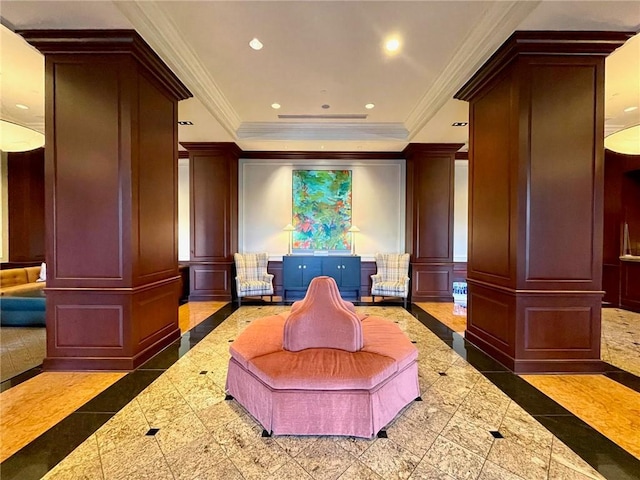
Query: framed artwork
(321, 211)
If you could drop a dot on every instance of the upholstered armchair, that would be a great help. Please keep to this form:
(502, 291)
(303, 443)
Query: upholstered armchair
(392, 277)
(252, 279)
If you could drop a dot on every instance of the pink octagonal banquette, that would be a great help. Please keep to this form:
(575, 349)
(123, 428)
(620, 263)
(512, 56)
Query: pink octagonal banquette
(322, 369)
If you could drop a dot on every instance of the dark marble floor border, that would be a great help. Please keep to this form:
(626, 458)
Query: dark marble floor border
(21, 377)
(604, 455)
(34, 460)
(38, 457)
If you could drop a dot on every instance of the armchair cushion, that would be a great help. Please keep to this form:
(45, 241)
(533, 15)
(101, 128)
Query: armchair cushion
(392, 277)
(251, 274)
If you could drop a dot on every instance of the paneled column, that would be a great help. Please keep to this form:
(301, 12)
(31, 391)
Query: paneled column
(25, 185)
(213, 182)
(111, 199)
(535, 200)
(429, 211)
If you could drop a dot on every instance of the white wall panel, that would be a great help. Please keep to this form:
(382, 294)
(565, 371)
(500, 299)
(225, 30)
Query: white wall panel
(378, 201)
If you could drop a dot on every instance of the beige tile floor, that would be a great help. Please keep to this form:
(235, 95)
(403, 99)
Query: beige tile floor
(32, 407)
(621, 339)
(21, 348)
(594, 398)
(203, 436)
(444, 424)
(452, 315)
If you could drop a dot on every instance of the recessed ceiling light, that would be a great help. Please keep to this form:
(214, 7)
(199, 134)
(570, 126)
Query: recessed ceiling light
(326, 106)
(459, 124)
(392, 45)
(628, 109)
(275, 106)
(24, 107)
(256, 44)
(185, 122)
(369, 106)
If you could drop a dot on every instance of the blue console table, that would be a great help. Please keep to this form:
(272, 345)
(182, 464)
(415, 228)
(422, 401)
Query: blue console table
(298, 270)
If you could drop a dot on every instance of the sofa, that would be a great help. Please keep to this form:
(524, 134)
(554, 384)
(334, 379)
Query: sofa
(323, 369)
(14, 281)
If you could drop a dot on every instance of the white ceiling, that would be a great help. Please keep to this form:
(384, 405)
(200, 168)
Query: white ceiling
(315, 53)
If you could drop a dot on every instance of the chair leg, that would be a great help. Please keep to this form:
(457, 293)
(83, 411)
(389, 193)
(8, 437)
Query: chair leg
(239, 301)
(373, 299)
(405, 303)
(270, 298)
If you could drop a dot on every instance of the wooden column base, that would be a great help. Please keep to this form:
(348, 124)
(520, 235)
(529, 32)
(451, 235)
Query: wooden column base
(212, 281)
(432, 282)
(110, 328)
(536, 331)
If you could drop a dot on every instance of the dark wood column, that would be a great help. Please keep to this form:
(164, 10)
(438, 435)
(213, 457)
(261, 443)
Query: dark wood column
(535, 200)
(25, 192)
(621, 279)
(213, 174)
(429, 219)
(111, 199)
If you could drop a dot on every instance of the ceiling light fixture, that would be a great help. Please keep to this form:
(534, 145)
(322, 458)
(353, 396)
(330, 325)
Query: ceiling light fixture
(625, 141)
(256, 44)
(392, 45)
(21, 106)
(459, 124)
(275, 106)
(369, 106)
(628, 109)
(16, 138)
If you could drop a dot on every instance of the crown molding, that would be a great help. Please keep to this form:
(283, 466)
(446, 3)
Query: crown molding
(315, 155)
(129, 42)
(538, 43)
(322, 131)
(496, 24)
(153, 24)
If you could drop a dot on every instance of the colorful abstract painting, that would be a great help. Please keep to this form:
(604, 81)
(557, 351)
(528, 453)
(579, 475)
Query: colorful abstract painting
(321, 210)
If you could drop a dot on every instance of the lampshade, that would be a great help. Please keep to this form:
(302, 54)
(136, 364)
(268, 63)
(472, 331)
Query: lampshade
(16, 138)
(625, 141)
(353, 229)
(289, 228)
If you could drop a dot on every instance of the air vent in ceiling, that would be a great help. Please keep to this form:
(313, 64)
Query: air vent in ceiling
(329, 116)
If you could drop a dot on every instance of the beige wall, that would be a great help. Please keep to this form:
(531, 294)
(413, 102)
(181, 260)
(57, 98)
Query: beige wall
(378, 202)
(184, 230)
(460, 211)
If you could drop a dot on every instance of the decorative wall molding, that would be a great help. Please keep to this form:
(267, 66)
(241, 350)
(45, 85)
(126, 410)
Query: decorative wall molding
(322, 131)
(490, 31)
(153, 24)
(497, 23)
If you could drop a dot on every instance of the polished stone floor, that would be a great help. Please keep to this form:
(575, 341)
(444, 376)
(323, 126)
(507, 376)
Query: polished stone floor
(169, 419)
(21, 348)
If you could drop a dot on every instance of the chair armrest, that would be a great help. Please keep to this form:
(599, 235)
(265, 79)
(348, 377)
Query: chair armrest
(376, 277)
(267, 277)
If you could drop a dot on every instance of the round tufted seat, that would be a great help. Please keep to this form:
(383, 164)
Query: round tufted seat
(321, 369)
